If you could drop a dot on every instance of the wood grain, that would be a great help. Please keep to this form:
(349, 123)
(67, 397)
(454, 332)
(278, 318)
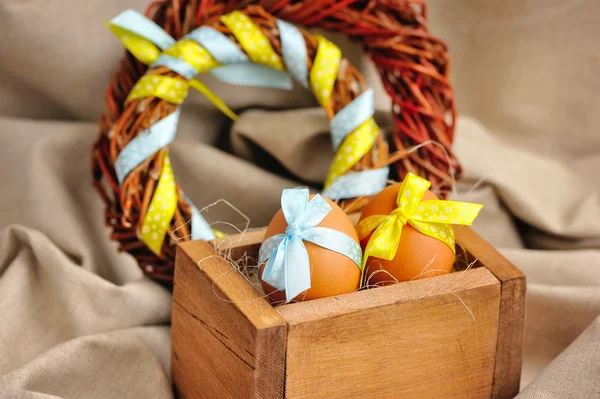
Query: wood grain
(228, 342)
(509, 352)
(511, 321)
(454, 336)
(511, 326)
(410, 340)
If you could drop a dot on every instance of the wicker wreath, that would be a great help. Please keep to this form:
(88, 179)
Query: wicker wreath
(412, 63)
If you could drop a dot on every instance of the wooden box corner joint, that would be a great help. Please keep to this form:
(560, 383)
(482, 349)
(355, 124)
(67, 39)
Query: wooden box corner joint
(454, 336)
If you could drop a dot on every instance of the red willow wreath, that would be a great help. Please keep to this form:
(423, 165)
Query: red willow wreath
(412, 63)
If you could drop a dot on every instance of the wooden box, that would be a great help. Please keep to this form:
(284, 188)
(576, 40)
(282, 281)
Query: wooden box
(455, 336)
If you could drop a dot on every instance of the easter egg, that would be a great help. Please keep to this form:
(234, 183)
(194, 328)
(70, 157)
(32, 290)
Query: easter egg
(331, 273)
(418, 255)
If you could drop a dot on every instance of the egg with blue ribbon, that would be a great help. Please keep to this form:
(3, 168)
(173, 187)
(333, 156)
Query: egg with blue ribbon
(310, 250)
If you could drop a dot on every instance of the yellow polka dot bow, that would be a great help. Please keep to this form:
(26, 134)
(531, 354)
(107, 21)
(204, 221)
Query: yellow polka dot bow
(432, 218)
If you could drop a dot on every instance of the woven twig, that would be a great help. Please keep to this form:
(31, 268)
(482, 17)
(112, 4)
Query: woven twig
(394, 36)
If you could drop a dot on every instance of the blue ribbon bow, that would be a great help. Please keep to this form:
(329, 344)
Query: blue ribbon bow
(288, 266)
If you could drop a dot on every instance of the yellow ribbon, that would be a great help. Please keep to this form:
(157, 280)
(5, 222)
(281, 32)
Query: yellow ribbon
(171, 89)
(142, 49)
(322, 80)
(432, 218)
(353, 148)
(194, 54)
(175, 89)
(219, 234)
(325, 69)
(161, 209)
(201, 87)
(253, 41)
(165, 87)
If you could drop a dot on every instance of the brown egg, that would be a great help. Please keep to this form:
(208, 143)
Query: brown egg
(331, 273)
(418, 255)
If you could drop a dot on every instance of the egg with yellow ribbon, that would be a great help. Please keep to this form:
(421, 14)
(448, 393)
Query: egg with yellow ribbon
(406, 232)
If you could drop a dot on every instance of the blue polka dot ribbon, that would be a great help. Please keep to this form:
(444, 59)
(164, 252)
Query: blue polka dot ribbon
(218, 45)
(288, 265)
(142, 147)
(347, 120)
(358, 184)
(139, 34)
(157, 136)
(253, 75)
(294, 52)
(176, 65)
(201, 230)
(351, 117)
(236, 67)
(136, 23)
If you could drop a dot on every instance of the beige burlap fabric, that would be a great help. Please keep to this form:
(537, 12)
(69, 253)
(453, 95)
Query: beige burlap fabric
(78, 319)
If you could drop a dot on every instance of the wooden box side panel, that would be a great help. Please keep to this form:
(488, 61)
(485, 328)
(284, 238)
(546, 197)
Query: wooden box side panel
(416, 339)
(228, 342)
(511, 325)
(465, 378)
(509, 351)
